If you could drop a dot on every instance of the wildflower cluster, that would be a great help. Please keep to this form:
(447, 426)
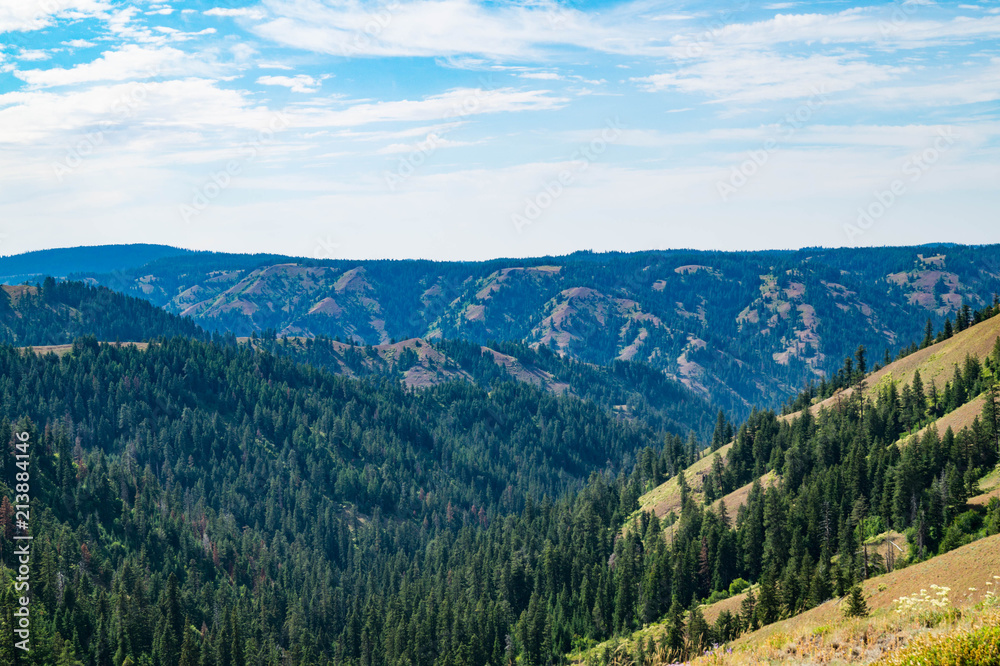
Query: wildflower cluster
(928, 609)
(990, 599)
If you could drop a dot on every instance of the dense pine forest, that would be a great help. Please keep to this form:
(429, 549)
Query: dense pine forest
(201, 501)
(301, 509)
(54, 313)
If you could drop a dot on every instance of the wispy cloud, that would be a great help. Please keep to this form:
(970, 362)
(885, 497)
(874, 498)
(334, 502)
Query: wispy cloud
(300, 83)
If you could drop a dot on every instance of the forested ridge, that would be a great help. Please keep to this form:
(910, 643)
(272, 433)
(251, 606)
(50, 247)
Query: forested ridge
(300, 512)
(633, 389)
(57, 312)
(206, 502)
(743, 329)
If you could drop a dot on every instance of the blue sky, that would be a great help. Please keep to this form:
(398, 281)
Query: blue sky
(457, 129)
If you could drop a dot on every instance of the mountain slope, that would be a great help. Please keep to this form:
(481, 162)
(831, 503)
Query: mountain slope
(742, 329)
(59, 312)
(632, 391)
(61, 262)
(935, 364)
(277, 505)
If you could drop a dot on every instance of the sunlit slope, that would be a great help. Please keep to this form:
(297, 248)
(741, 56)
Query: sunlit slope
(935, 364)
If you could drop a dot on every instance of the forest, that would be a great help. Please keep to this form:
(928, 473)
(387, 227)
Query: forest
(205, 502)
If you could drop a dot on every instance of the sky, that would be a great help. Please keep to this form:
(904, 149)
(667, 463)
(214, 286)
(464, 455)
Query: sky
(468, 129)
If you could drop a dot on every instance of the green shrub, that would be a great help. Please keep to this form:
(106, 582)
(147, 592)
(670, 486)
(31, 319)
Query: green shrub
(737, 586)
(717, 595)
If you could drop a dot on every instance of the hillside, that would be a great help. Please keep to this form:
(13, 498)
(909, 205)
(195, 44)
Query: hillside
(62, 262)
(741, 329)
(804, 506)
(935, 364)
(823, 635)
(56, 313)
(185, 477)
(632, 391)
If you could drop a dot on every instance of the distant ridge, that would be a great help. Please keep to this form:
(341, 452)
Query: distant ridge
(62, 262)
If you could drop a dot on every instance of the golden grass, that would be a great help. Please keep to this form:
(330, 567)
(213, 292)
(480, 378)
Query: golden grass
(60, 350)
(666, 497)
(989, 486)
(935, 363)
(956, 420)
(822, 635)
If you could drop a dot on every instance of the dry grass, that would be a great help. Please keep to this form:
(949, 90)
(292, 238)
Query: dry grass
(935, 363)
(17, 291)
(990, 487)
(61, 350)
(956, 420)
(822, 635)
(666, 497)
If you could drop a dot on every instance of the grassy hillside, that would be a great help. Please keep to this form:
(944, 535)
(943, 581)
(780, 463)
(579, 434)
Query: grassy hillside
(823, 635)
(935, 364)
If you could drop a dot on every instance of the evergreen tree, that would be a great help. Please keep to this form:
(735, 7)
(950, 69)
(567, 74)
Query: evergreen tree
(675, 631)
(748, 612)
(190, 653)
(699, 634)
(856, 604)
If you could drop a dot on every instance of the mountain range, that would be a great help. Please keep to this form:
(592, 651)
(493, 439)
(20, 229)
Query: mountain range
(740, 329)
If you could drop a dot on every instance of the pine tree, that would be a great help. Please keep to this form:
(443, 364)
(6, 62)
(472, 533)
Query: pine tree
(723, 432)
(699, 634)
(190, 654)
(675, 631)
(166, 644)
(856, 604)
(819, 586)
(928, 335)
(748, 611)
(769, 605)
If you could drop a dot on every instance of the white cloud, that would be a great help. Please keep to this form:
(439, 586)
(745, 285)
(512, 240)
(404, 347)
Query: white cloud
(447, 28)
(761, 76)
(79, 44)
(541, 76)
(237, 12)
(33, 55)
(457, 104)
(25, 15)
(430, 144)
(300, 83)
(130, 62)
